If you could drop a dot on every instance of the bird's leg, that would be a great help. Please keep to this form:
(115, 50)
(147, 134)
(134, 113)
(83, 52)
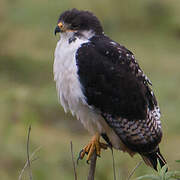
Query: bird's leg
(94, 145)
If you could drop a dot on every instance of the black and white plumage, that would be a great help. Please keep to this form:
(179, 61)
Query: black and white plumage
(101, 83)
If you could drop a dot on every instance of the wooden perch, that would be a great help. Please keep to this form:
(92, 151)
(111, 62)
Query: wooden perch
(92, 167)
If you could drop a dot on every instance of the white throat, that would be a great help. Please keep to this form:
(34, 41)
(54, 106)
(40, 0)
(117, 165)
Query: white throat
(70, 36)
(65, 69)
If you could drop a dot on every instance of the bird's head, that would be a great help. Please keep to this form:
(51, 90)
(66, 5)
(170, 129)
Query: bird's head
(78, 22)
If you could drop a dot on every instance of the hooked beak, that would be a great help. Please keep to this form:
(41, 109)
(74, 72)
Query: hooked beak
(59, 28)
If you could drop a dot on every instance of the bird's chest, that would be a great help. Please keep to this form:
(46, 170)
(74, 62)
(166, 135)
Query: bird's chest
(65, 74)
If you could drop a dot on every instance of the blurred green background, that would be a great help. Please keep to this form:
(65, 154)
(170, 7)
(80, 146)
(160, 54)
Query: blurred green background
(149, 28)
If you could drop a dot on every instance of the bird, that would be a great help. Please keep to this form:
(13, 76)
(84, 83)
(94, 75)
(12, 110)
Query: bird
(101, 83)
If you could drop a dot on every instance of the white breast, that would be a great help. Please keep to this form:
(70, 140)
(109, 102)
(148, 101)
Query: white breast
(69, 88)
(67, 83)
(65, 73)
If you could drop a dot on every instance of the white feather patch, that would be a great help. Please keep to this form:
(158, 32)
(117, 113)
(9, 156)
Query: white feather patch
(65, 73)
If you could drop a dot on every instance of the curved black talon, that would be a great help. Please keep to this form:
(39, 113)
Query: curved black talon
(77, 160)
(79, 157)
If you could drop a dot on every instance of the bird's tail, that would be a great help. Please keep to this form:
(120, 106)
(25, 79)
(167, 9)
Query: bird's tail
(151, 159)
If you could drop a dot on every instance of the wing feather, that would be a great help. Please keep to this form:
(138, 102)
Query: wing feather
(114, 84)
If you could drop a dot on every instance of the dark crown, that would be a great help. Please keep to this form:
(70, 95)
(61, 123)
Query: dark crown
(81, 20)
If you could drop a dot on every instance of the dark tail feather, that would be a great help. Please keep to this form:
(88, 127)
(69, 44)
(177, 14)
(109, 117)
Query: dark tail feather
(151, 159)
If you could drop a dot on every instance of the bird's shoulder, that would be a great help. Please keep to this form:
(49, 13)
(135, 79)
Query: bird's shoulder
(111, 52)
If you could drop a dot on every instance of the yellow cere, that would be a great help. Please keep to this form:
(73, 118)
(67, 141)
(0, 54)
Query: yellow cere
(60, 24)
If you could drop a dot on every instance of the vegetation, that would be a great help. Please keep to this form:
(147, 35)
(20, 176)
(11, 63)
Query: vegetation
(151, 29)
(162, 174)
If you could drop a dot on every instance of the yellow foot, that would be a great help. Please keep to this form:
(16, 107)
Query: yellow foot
(94, 145)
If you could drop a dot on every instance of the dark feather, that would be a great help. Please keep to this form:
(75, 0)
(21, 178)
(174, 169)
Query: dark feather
(112, 80)
(140, 136)
(151, 159)
(114, 85)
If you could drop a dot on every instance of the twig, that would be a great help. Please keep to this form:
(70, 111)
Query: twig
(26, 164)
(132, 172)
(74, 166)
(114, 168)
(28, 160)
(92, 166)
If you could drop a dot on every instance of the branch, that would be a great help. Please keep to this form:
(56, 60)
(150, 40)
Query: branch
(26, 164)
(132, 172)
(28, 160)
(74, 166)
(92, 166)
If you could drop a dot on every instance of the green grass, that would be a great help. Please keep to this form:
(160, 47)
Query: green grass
(151, 29)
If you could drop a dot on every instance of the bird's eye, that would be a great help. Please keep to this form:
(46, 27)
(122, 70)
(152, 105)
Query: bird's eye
(75, 26)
